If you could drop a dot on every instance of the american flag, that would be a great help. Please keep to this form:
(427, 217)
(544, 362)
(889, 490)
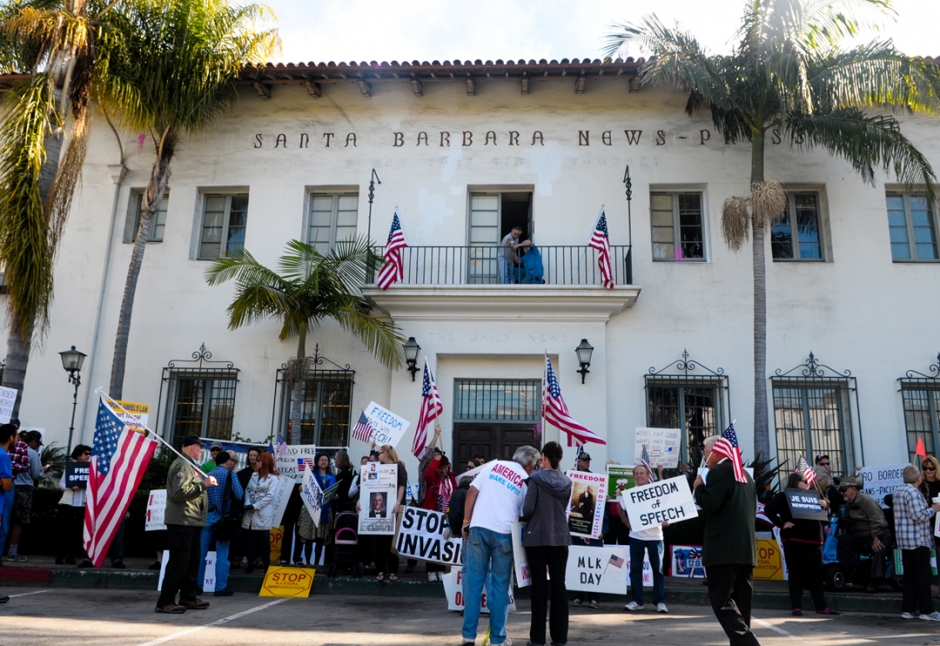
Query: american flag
(362, 430)
(808, 472)
(555, 411)
(601, 241)
(431, 409)
(303, 463)
(393, 271)
(617, 561)
(118, 462)
(645, 461)
(281, 447)
(728, 447)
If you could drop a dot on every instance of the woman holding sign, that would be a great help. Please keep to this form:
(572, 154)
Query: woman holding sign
(72, 514)
(546, 541)
(386, 563)
(259, 511)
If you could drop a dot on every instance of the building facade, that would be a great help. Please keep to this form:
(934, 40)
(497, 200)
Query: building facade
(465, 152)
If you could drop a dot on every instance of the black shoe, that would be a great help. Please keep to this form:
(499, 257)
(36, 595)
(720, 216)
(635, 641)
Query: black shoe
(225, 592)
(4, 598)
(85, 564)
(118, 565)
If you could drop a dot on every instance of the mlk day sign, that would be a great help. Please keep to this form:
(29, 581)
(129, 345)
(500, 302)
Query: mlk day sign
(880, 481)
(296, 459)
(586, 507)
(312, 496)
(387, 427)
(156, 509)
(598, 569)
(421, 536)
(378, 487)
(662, 445)
(804, 503)
(659, 502)
(7, 400)
(453, 589)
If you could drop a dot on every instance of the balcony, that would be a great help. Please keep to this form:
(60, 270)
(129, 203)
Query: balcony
(463, 282)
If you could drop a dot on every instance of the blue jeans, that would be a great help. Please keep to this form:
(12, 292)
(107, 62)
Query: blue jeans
(486, 550)
(655, 549)
(221, 553)
(7, 520)
(505, 269)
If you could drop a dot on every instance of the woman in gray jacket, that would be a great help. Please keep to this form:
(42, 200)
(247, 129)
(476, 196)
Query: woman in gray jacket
(546, 541)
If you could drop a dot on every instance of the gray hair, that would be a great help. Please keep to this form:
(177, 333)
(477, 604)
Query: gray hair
(910, 474)
(711, 441)
(526, 455)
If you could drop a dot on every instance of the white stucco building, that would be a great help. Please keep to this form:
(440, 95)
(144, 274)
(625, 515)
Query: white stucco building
(465, 151)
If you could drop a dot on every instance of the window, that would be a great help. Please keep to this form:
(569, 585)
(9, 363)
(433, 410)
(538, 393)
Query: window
(694, 405)
(157, 224)
(678, 226)
(812, 418)
(332, 218)
(492, 216)
(202, 405)
(489, 400)
(223, 225)
(921, 398)
(796, 236)
(912, 227)
(325, 412)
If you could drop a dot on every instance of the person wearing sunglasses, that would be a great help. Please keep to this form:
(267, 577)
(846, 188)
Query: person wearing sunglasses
(930, 487)
(71, 514)
(836, 499)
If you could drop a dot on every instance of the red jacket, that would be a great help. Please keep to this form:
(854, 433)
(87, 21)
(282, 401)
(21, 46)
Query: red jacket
(434, 485)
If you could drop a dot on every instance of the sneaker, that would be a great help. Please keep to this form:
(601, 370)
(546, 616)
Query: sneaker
(933, 616)
(171, 609)
(797, 612)
(577, 603)
(633, 605)
(17, 558)
(194, 604)
(906, 615)
(432, 576)
(595, 604)
(826, 611)
(661, 607)
(507, 642)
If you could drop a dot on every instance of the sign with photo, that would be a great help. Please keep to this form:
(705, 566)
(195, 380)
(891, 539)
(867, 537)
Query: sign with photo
(659, 502)
(296, 459)
(662, 446)
(453, 589)
(804, 503)
(619, 479)
(76, 474)
(880, 481)
(421, 536)
(598, 569)
(387, 427)
(586, 507)
(378, 487)
(156, 509)
(687, 562)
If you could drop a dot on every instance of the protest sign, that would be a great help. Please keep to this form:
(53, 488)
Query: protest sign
(281, 497)
(7, 400)
(647, 569)
(76, 474)
(156, 508)
(586, 507)
(421, 536)
(769, 560)
(804, 503)
(619, 479)
(453, 589)
(880, 481)
(659, 502)
(387, 427)
(411, 493)
(277, 538)
(295, 459)
(378, 486)
(135, 415)
(330, 492)
(283, 581)
(208, 581)
(519, 557)
(312, 496)
(687, 562)
(662, 446)
(597, 569)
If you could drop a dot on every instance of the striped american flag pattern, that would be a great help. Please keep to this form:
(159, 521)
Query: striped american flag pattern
(645, 461)
(431, 409)
(555, 411)
(808, 472)
(600, 240)
(393, 271)
(280, 448)
(363, 429)
(728, 447)
(616, 561)
(119, 459)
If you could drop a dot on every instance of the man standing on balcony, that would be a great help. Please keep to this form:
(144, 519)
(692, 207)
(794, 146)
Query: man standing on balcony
(507, 254)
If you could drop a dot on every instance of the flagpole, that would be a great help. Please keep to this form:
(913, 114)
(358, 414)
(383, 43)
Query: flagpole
(100, 391)
(544, 385)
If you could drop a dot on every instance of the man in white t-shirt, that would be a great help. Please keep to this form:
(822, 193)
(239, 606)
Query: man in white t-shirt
(494, 503)
(641, 542)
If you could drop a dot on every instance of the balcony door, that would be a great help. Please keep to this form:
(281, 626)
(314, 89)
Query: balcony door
(493, 214)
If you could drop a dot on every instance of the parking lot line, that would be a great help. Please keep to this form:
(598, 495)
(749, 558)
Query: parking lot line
(217, 622)
(779, 631)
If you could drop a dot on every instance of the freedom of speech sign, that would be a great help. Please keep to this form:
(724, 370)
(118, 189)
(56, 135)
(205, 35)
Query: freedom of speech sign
(387, 427)
(659, 502)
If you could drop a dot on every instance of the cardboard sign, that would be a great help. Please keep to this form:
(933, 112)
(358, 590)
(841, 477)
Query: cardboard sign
(619, 479)
(281, 497)
(7, 400)
(378, 486)
(76, 474)
(687, 562)
(586, 507)
(453, 589)
(283, 581)
(277, 539)
(208, 581)
(769, 560)
(296, 459)
(387, 427)
(880, 481)
(598, 569)
(135, 415)
(662, 446)
(804, 503)
(330, 492)
(312, 496)
(421, 536)
(659, 502)
(519, 557)
(156, 509)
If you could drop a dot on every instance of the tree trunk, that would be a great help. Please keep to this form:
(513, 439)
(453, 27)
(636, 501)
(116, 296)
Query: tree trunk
(761, 431)
(152, 199)
(297, 389)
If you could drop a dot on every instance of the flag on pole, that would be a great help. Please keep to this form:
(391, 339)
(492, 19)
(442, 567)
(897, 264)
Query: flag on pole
(808, 472)
(616, 561)
(431, 409)
(921, 449)
(363, 429)
(601, 241)
(728, 447)
(393, 270)
(281, 447)
(118, 461)
(555, 411)
(645, 461)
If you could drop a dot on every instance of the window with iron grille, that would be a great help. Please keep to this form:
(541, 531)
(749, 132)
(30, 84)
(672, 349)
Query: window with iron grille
(920, 396)
(332, 217)
(797, 234)
(325, 411)
(678, 226)
(696, 407)
(498, 400)
(225, 218)
(201, 404)
(912, 227)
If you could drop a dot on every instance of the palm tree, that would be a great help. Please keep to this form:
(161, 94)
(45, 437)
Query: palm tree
(310, 288)
(53, 43)
(168, 69)
(789, 73)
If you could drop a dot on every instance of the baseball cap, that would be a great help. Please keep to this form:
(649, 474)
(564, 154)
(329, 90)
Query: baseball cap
(34, 436)
(215, 445)
(585, 456)
(190, 440)
(821, 456)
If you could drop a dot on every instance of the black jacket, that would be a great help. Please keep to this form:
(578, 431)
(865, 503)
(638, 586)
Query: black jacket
(342, 500)
(730, 507)
(457, 501)
(803, 530)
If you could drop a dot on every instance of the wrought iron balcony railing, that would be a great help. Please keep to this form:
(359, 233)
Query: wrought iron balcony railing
(480, 265)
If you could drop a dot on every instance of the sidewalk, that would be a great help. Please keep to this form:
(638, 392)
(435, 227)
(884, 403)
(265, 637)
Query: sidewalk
(768, 595)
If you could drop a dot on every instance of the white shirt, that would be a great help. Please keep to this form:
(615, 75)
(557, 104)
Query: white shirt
(500, 493)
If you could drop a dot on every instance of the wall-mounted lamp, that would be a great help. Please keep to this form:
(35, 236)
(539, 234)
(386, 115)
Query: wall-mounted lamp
(411, 355)
(584, 352)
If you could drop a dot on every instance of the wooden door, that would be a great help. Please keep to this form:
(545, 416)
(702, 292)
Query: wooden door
(492, 441)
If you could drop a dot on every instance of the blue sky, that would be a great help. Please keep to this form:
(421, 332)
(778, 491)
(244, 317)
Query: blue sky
(384, 30)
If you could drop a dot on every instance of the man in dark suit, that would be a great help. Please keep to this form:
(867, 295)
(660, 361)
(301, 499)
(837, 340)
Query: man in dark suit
(730, 548)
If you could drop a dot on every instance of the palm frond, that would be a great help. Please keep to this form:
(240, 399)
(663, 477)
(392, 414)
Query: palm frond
(380, 335)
